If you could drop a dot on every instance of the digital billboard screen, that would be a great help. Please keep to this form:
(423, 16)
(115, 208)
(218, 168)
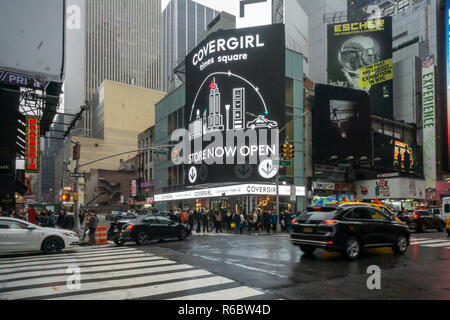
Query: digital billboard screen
(393, 154)
(235, 84)
(341, 123)
(360, 57)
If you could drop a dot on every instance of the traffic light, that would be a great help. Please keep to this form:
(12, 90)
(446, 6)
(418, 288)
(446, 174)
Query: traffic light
(285, 150)
(291, 151)
(75, 197)
(65, 197)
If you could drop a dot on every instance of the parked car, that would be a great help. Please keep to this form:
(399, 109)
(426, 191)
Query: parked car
(348, 228)
(17, 235)
(146, 228)
(422, 220)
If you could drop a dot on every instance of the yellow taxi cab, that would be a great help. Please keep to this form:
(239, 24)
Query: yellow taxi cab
(376, 205)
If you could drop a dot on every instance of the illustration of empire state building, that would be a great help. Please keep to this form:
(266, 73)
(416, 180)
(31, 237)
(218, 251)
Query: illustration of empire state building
(215, 118)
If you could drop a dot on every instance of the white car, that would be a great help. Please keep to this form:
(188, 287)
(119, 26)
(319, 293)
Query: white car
(17, 235)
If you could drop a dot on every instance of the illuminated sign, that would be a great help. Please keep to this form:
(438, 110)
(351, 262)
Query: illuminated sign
(32, 144)
(429, 119)
(237, 190)
(235, 85)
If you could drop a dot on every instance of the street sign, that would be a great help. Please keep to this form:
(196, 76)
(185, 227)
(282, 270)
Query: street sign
(78, 175)
(282, 163)
(159, 155)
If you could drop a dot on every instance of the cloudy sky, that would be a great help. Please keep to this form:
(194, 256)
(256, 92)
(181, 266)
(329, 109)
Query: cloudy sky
(229, 6)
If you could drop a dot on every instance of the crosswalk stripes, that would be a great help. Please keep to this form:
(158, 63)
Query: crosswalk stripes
(113, 273)
(431, 242)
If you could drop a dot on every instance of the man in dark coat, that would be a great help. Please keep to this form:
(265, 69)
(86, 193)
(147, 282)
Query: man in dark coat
(198, 219)
(68, 222)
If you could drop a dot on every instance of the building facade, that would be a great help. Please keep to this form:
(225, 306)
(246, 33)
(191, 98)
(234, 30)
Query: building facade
(110, 40)
(146, 167)
(183, 25)
(51, 144)
(122, 112)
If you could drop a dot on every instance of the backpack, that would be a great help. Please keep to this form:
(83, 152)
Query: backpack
(184, 217)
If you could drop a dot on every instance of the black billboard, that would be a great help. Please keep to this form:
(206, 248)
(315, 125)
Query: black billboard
(341, 123)
(393, 154)
(235, 81)
(360, 57)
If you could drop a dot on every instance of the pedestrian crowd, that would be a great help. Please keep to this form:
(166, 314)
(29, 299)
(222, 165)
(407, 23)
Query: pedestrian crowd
(237, 222)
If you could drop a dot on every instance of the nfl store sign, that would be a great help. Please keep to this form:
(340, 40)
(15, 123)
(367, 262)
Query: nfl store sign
(32, 144)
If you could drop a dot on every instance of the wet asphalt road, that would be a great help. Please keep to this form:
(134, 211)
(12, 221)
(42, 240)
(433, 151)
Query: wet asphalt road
(272, 264)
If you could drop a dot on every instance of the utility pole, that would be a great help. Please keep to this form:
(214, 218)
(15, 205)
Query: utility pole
(76, 157)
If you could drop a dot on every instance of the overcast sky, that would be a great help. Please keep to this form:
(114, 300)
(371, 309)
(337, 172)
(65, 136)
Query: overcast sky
(229, 6)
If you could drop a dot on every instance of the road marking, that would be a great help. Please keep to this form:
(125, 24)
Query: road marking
(227, 294)
(151, 290)
(89, 258)
(86, 277)
(62, 271)
(127, 277)
(87, 264)
(98, 285)
(427, 241)
(436, 245)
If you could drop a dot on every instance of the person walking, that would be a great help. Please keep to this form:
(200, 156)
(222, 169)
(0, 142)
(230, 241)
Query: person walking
(93, 222)
(249, 219)
(60, 218)
(87, 218)
(191, 220)
(51, 219)
(228, 220)
(237, 222)
(205, 221)
(282, 219)
(242, 220)
(68, 222)
(198, 219)
(289, 217)
(274, 221)
(218, 222)
(267, 218)
(44, 220)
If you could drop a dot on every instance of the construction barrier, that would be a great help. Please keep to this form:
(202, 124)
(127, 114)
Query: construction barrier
(101, 235)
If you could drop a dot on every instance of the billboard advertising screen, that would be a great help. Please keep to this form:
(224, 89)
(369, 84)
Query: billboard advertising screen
(341, 123)
(360, 57)
(235, 85)
(32, 29)
(394, 154)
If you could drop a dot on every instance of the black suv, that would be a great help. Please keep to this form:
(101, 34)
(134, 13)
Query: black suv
(348, 229)
(422, 220)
